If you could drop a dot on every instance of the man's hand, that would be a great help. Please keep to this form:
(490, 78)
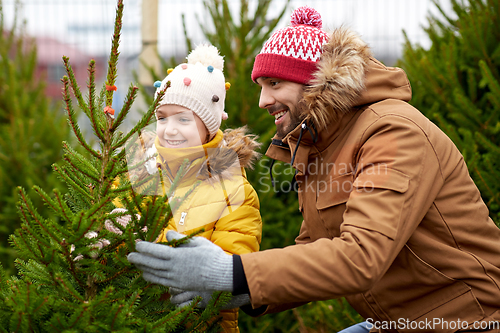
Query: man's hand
(195, 265)
(182, 298)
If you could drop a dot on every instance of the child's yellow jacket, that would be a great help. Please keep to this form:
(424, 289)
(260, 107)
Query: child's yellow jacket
(224, 203)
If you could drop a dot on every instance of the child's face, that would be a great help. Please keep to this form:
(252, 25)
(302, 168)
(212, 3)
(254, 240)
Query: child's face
(179, 127)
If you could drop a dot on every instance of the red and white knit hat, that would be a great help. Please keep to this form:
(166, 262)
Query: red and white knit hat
(291, 53)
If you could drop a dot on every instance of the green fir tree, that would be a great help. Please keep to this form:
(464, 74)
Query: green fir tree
(69, 281)
(456, 83)
(31, 130)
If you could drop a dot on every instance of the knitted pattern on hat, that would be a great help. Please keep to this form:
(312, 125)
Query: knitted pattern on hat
(199, 85)
(291, 53)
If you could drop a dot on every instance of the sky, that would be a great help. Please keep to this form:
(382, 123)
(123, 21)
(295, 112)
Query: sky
(88, 24)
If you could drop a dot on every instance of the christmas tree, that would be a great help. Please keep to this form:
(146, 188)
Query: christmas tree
(73, 272)
(456, 83)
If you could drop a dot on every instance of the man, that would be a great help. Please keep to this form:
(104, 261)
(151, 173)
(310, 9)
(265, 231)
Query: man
(392, 219)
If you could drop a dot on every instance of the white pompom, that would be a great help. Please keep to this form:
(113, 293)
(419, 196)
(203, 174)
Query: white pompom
(207, 55)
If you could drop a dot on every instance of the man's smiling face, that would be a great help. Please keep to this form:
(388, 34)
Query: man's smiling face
(281, 99)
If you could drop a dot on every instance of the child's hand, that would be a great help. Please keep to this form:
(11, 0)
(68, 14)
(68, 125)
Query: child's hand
(182, 298)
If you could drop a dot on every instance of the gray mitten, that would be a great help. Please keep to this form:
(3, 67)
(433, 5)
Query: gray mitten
(182, 298)
(196, 265)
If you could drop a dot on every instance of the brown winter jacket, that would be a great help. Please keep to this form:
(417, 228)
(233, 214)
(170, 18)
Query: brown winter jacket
(392, 219)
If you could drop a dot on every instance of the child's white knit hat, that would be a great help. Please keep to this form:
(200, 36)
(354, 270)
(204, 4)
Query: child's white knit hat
(199, 85)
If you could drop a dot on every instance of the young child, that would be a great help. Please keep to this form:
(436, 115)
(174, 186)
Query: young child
(223, 203)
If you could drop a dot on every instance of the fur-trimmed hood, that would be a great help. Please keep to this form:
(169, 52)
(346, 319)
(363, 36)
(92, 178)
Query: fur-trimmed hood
(226, 153)
(348, 76)
(237, 145)
(229, 149)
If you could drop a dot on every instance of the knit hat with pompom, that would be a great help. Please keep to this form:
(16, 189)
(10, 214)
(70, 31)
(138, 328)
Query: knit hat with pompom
(291, 53)
(198, 85)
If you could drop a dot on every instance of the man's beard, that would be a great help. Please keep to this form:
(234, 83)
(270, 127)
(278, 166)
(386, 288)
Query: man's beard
(296, 117)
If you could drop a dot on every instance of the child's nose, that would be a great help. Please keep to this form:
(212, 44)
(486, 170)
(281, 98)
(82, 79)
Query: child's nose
(171, 129)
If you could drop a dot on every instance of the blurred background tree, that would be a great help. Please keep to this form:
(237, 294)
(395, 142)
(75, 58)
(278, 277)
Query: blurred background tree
(31, 130)
(456, 83)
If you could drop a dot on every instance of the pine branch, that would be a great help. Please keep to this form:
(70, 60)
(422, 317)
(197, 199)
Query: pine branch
(467, 107)
(490, 146)
(113, 277)
(25, 236)
(77, 178)
(35, 272)
(71, 262)
(72, 183)
(492, 169)
(486, 185)
(76, 224)
(174, 318)
(28, 235)
(76, 169)
(471, 84)
(110, 168)
(178, 242)
(122, 189)
(72, 119)
(68, 289)
(122, 171)
(27, 205)
(96, 125)
(83, 162)
(131, 95)
(113, 57)
(493, 84)
(61, 208)
(98, 206)
(119, 157)
(75, 87)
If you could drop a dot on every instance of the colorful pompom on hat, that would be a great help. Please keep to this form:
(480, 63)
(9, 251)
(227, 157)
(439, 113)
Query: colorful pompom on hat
(198, 85)
(291, 53)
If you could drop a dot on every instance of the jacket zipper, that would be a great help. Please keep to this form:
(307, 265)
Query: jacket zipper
(183, 217)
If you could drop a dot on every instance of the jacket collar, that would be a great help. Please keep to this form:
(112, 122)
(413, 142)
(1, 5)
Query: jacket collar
(311, 143)
(214, 157)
